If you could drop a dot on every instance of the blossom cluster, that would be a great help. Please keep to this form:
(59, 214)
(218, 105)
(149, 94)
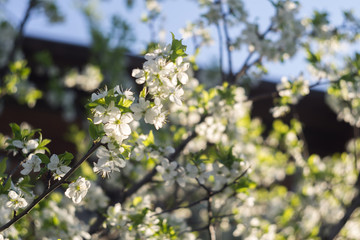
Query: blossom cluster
(136, 219)
(290, 93)
(344, 98)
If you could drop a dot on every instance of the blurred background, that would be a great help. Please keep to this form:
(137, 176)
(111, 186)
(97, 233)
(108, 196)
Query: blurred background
(73, 47)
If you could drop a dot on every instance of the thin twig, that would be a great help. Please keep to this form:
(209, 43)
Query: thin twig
(210, 194)
(246, 65)
(52, 188)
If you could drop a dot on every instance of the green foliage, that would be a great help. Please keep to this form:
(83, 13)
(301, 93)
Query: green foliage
(150, 141)
(177, 49)
(44, 158)
(320, 18)
(25, 135)
(25, 185)
(16, 84)
(66, 158)
(5, 188)
(3, 167)
(226, 157)
(244, 185)
(95, 131)
(312, 58)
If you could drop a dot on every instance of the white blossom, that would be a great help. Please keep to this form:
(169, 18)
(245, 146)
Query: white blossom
(26, 147)
(119, 123)
(102, 114)
(99, 95)
(139, 109)
(57, 167)
(109, 161)
(16, 200)
(77, 190)
(32, 162)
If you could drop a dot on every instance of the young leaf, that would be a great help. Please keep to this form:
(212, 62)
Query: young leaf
(178, 49)
(44, 159)
(3, 166)
(66, 158)
(15, 130)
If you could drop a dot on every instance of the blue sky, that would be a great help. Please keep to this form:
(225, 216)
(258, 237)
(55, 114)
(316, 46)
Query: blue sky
(178, 12)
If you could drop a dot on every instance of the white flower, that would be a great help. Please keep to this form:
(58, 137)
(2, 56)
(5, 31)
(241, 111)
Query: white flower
(139, 75)
(129, 95)
(167, 170)
(78, 190)
(181, 69)
(101, 94)
(102, 115)
(16, 201)
(140, 108)
(119, 123)
(279, 111)
(176, 94)
(109, 161)
(32, 163)
(191, 170)
(156, 117)
(26, 147)
(198, 172)
(221, 174)
(113, 139)
(116, 216)
(55, 165)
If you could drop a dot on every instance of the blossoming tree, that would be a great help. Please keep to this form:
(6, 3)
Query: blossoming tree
(182, 158)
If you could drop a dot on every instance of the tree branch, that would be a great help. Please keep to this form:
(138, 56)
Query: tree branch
(52, 188)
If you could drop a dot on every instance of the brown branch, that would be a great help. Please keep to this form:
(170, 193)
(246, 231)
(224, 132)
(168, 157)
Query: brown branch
(246, 65)
(52, 188)
(210, 194)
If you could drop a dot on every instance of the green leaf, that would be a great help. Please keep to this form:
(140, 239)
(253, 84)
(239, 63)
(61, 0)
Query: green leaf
(136, 201)
(15, 130)
(44, 142)
(93, 131)
(7, 185)
(44, 159)
(3, 166)
(178, 49)
(143, 93)
(66, 158)
(150, 139)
